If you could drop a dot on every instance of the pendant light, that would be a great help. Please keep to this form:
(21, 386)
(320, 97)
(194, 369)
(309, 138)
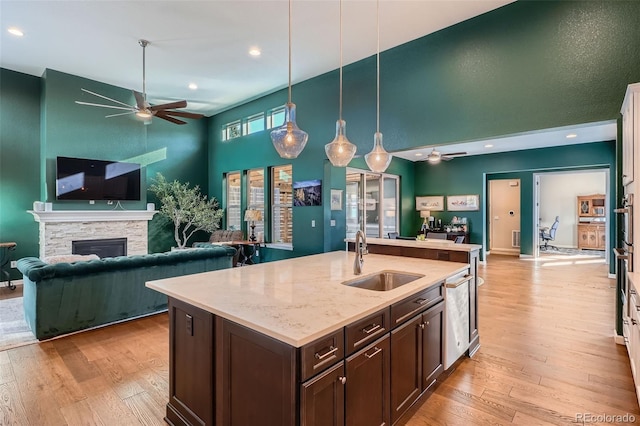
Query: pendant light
(288, 139)
(378, 159)
(340, 151)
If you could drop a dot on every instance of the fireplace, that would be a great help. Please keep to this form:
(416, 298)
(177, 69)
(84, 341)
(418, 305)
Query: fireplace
(60, 228)
(104, 247)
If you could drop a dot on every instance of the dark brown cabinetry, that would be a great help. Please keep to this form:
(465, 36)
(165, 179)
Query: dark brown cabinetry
(367, 373)
(191, 391)
(417, 348)
(322, 398)
(470, 257)
(256, 380)
(367, 397)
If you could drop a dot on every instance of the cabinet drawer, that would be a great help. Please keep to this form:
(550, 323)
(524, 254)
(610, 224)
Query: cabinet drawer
(403, 310)
(362, 332)
(322, 353)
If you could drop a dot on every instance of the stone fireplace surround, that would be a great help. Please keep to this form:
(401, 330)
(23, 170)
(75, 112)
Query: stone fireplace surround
(59, 228)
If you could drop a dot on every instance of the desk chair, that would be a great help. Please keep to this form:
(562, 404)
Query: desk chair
(549, 234)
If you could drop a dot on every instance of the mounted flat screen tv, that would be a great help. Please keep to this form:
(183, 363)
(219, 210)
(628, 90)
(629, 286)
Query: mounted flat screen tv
(86, 179)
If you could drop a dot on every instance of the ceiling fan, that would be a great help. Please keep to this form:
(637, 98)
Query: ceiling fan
(434, 156)
(142, 108)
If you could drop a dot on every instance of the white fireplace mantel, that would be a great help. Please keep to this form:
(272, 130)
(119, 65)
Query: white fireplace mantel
(91, 215)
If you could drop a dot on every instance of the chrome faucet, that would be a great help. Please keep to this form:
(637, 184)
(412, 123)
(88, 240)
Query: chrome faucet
(361, 249)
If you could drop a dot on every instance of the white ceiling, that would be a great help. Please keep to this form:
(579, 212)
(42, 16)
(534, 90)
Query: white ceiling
(586, 133)
(207, 42)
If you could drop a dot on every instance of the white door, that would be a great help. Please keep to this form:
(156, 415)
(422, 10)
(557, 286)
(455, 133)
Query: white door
(504, 216)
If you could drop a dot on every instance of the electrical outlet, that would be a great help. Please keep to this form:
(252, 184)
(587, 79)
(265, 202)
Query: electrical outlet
(333, 222)
(92, 201)
(313, 223)
(14, 264)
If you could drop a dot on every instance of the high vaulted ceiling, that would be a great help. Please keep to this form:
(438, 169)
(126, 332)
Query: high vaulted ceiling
(207, 42)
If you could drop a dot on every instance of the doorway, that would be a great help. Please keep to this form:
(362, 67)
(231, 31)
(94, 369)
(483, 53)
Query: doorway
(504, 216)
(556, 194)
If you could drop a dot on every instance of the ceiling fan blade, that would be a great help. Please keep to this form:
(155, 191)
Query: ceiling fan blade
(104, 97)
(119, 114)
(139, 99)
(182, 114)
(106, 106)
(171, 105)
(451, 154)
(168, 118)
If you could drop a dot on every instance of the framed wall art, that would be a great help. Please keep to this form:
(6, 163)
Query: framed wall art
(336, 199)
(307, 193)
(434, 203)
(463, 203)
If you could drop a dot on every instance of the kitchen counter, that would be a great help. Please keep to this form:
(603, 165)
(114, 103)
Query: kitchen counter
(299, 300)
(427, 243)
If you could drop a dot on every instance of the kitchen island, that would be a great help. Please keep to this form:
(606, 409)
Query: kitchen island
(277, 343)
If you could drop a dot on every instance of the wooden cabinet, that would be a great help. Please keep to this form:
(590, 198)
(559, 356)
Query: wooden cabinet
(256, 377)
(630, 131)
(366, 373)
(368, 382)
(432, 345)
(191, 375)
(592, 236)
(591, 205)
(322, 398)
(417, 348)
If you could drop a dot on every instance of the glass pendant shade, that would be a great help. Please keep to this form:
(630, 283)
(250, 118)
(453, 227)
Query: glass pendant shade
(378, 159)
(340, 151)
(289, 140)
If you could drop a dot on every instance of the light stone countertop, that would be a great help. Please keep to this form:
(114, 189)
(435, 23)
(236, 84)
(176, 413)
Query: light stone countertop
(427, 243)
(300, 300)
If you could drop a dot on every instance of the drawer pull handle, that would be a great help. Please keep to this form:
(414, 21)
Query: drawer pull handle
(378, 350)
(634, 322)
(331, 351)
(371, 328)
(422, 301)
(632, 291)
(342, 380)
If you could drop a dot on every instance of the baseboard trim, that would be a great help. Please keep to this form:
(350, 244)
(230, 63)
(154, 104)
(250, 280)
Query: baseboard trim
(618, 338)
(613, 276)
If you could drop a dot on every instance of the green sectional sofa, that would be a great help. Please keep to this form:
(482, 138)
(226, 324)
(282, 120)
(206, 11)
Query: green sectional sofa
(66, 297)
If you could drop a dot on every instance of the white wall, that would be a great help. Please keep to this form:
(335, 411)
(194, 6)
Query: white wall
(558, 197)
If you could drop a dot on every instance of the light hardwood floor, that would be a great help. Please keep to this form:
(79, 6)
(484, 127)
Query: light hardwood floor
(547, 354)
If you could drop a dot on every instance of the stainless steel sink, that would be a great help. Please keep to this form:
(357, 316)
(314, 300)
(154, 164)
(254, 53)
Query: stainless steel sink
(383, 281)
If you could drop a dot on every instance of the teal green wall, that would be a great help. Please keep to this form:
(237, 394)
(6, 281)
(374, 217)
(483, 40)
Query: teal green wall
(19, 161)
(469, 175)
(523, 67)
(40, 121)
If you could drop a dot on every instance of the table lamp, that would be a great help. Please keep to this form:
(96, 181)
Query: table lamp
(252, 216)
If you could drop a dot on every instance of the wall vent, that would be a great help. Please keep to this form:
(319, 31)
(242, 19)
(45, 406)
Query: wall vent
(515, 238)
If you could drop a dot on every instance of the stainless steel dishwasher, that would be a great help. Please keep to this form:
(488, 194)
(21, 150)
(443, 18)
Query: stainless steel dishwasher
(457, 317)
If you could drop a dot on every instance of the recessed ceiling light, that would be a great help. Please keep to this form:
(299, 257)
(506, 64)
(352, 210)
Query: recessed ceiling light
(418, 154)
(254, 51)
(193, 86)
(489, 145)
(571, 136)
(15, 31)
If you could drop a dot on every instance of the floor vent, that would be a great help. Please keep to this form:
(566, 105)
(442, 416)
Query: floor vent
(515, 238)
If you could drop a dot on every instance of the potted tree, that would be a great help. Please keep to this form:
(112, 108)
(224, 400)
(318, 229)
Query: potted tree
(188, 209)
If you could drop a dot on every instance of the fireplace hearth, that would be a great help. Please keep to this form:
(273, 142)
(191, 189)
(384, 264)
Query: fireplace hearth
(104, 247)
